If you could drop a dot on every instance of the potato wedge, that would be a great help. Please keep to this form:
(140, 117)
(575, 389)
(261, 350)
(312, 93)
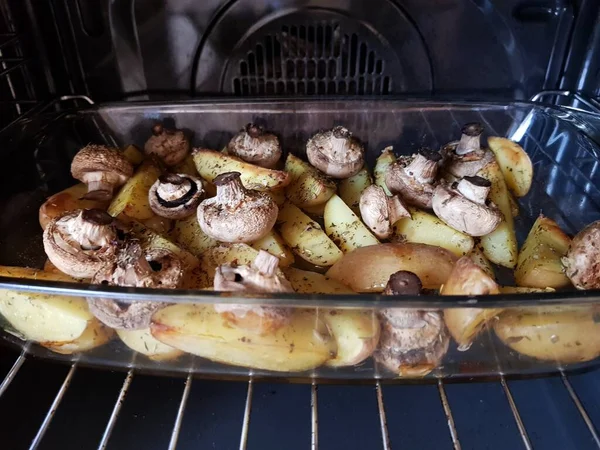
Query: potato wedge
(67, 200)
(308, 186)
(143, 342)
(515, 164)
(356, 333)
(186, 167)
(278, 196)
(306, 282)
(425, 228)
(132, 199)
(564, 335)
(315, 211)
(196, 278)
(188, 234)
(302, 345)
(514, 205)
(52, 274)
(539, 262)
(367, 269)
(306, 237)
(384, 161)
(95, 335)
(344, 227)
(210, 163)
(479, 258)
(226, 253)
(523, 290)
(274, 244)
(133, 154)
(351, 188)
(500, 246)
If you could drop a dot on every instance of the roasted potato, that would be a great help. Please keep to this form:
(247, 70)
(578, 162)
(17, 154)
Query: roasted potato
(425, 228)
(522, 290)
(67, 200)
(384, 161)
(515, 164)
(306, 237)
(306, 282)
(368, 269)
(132, 199)
(197, 278)
(351, 188)
(309, 186)
(188, 234)
(186, 167)
(479, 258)
(539, 262)
(344, 227)
(95, 335)
(240, 254)
(143, 342)
(303, 344)
(133, 154)
(315, 211)
(514, 205)
(274, 244)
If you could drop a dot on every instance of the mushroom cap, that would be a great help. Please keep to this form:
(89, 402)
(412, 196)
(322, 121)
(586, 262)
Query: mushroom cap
(379, 212)
(175, 196)
(79, 243)
(170, 145)
(335, 152)
(413, 178)
(256, 146)
(582, 261)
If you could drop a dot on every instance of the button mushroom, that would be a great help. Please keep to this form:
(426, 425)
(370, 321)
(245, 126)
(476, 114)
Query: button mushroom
(236, 214)
(260, 277)
(414, 178)
(336, 153)
(171, 146)
(175, 196)
(582, 261)
(102, 169)
(465, 209)
(256, 146)
(413, 342)
(380, 212)
(80, 242)
(134, 267)
(466, 157)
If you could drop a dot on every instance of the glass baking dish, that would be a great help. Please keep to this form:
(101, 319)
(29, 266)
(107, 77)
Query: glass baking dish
(338, 337)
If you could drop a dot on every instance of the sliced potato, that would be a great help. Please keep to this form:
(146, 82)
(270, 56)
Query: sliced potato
(565, 335)
(50, 273)
(523, 290)
(515, 164)
(132, 199)
(186, 167)
(95, 335)
(315, 211)
(306, 282)
(302, 345)
(197, 278)
(344, 227)
(210, 163)
(274, 244)
(143, 342)
(133, 154)
(306, 237)
(241, 254)
(479, 258)
(539, 262)
(351, 188)
(187, 233)
(384, 161)
(308, 186)
(514, 205)
(425, 228)
(278, 196)
(367, 269)
(500, 246)
(67, 200)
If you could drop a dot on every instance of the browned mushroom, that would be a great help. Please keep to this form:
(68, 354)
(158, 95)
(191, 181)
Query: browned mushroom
(254, 145)
(134, 267)
(336, 152)
(582, 261)
(414, 178)
(236, 214)
(380, 212)
(466, 157)
(102, 169)
(80, 242)
(171, 146)
(175, 196)
(464, 208)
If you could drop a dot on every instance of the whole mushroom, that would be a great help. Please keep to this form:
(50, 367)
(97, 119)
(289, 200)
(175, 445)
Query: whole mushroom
(380, 212)
(414, 178)
(261, 276)
(175, 196)
(254, 145)
(582, 261)
(336, 152)
(102, 169)
(466, 157)
(170, 145)
(134, 267)
(465, 209)
(236, 214)
(413, 342)
(80, 242)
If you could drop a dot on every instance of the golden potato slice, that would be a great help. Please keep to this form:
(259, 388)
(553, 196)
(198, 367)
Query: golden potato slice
(425, 228)
(278, 196)
(523, 290)
(344, 227)
(197, 278)
(187, 167)
(351, 188)
(132, 199)
(515, 164)
(95, 335)
(308, 186)
(368, 269)
(143, 342)
(514, 205)
(479, 258)
(241, 254)
(565, 335)
(539, 264)
(306, 237)
(67, 200)
(500, 246)
(210, 163)
(302, 345)
(133, 154)
(306, 282)
(187, 233)
(275, 245)
(383, 163)
(315, 211)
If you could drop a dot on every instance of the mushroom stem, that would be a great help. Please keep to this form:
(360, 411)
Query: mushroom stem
(475, 189)
(424, 166)
(101, 189)
(157, 129)
(396, 209)
(254, 131)
(470, 139)
(230, 190)
(266, 263)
